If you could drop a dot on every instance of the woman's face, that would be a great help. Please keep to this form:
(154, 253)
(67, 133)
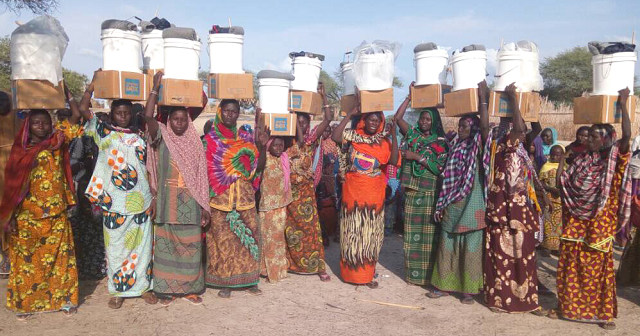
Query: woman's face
(327, 133)
(424, 123)
(596, 141)
(372, 123)
(179, 121)
(277, 147)
(304, 122)
(547, 137)
(464, 129)
(229, 114)
(122, 116)
(39, 127)
(531, 149)
(583, 137)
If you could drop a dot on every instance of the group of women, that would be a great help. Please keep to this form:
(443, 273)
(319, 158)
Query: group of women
(180, 213)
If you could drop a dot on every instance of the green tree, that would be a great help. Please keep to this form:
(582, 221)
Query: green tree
(5, 64)
(76, 82)
(35, 6)
(567, 75)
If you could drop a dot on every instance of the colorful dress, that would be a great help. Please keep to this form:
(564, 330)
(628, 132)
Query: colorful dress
(512, 218)
(303, 233)
(586, 275)
(421, 235)
(362, 210)
(552, 222)
(274, 198)
(43, 274)
(233, 238)
(119, 186)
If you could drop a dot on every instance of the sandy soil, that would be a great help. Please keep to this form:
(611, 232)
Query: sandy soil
(302, 305)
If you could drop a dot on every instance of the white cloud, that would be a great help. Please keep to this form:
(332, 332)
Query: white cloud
(90, 53)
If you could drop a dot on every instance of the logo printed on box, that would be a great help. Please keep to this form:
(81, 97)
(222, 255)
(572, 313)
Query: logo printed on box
(296, 101)
(280, 124)
(212, 86)
(503, 106)
(131, 87)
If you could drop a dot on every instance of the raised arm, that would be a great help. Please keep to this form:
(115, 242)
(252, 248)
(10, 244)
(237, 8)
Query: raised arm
(262, 138)
(399, 116)
(336, 135)
(328, 114)
(393, 160)
(73, 106)
(518, 123)
(85, 102)
(299, 135)
(483, 97)
(152, 123)
(623, 97)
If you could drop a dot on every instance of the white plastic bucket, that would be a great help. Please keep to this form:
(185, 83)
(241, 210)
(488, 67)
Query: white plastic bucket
(520, 67)
(181, 58)
(225, 53)
(273, 95)
(152, 50)
(469, 68)
(348, 79)
(613, 72)
(376, 71)
(306, 70)
(121, 50)
(431, 66)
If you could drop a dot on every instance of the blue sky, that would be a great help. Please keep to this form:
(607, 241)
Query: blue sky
(275, 28)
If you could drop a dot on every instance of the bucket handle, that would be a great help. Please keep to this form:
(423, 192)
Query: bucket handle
(506, 72)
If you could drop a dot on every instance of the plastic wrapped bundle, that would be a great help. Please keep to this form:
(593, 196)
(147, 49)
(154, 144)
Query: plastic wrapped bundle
(37, 49)
(374, 64)
(518, 62)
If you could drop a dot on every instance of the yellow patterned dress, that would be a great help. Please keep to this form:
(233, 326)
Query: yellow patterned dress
(43, 274)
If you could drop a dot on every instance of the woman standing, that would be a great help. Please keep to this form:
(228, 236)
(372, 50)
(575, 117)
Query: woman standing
(234, 236)
(424, 159)
(552, 222)
(460, 208)
(596, 192)
(363, 194)
(303, 232)
(43, 275)
(119, 187)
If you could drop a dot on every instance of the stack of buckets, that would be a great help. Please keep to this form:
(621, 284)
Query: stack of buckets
(347, 100)
(468, 68)
(373, 70)
(121, 49)
(181, 56)
(227, 78)
(305, 69)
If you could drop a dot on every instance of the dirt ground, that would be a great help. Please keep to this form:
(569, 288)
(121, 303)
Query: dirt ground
(302, 305)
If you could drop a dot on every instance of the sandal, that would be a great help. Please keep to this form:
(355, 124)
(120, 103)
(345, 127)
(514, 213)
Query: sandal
(167, 301)
(225, 293)
(69, 310)
(467, 299)
(149, 298)
(193, 299)
(115, 302)
(540, 312)
(372, 285)
(254, 290)
(495, 310)
(552, 314)
(324, 277)
(436, 294)
(24, 317)
(608, 325)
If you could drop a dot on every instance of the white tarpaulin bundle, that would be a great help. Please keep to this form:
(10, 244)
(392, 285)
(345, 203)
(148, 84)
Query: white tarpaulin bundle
(37, 49)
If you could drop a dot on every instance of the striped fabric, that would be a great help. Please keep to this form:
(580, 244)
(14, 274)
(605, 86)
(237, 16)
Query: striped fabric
(177, 259)
(420, 236)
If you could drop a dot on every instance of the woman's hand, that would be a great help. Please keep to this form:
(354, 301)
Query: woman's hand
(510, 90)
(205, 218)
(623, 96)
(409, 155)
(157, 81)
(263, 138)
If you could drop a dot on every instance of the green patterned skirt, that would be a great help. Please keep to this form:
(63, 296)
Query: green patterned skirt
(420, 236)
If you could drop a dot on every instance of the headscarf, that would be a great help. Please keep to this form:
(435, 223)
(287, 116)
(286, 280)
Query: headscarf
(460, 170)
(370, 145)
(546, 149)
(188, 154)
(231, 155)
(433, 147)
(539, 157)
(22, 160)
(327, 147)
(286, 166)
(585, 185)
(575, 147)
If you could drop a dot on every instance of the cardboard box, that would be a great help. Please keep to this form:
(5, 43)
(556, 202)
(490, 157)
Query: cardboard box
(36, 94)
(376, 101)
(347, 103)
(461, 102)
(280, 124)
(601, 110)
(305, 101)
(528, 102)
(230, 86)
(428, 95)
(180, 92)
(150, 73)
(113, 84)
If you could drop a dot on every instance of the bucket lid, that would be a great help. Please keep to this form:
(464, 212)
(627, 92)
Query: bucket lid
(294, 54)
(474, 47)
(236, 30)
(180, 32)
(608, 48)
(275, 74)
(425, 47)
(343, 64)
(119, 24)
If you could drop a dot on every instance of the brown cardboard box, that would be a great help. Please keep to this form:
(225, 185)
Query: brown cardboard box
(461, 102)
(180, 92)
(347, 103)
(601, 110)
(376, 101)
(113, 84)
(230, 86)
(150, 73)
(36, 94)
(280, 124)
(528, 102)
(428, 95)
(305, 101)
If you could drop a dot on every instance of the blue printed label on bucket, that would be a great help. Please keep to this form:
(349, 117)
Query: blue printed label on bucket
(280, 124)
(296, 101)
(212, 87)
(131, 87)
